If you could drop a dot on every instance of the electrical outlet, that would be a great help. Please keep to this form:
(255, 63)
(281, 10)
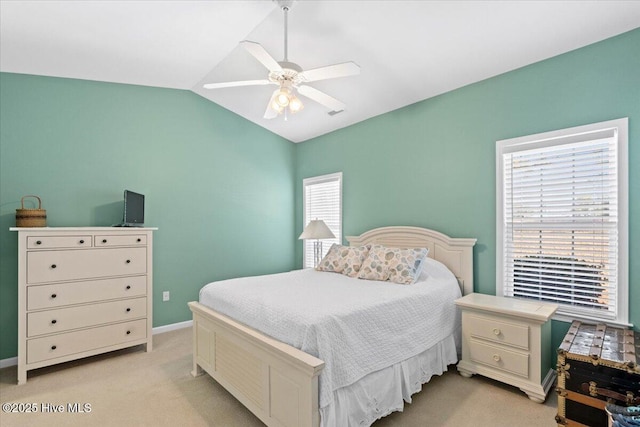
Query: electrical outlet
(166, 296)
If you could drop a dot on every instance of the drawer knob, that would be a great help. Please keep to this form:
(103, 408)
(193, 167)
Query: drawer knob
(128, 332)
(128, 261)
(53, 266)
(139, 240)
(496, 331)
(496, 357)
(128, 287)
(54, 321)
(82, 241)
(39, 242)
(128, 309)
(104, 240)
(53, 347)
(54, 295)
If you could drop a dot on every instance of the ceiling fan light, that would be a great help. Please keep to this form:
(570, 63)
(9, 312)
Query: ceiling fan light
(282, 98)
(277, 107)
(295, 105)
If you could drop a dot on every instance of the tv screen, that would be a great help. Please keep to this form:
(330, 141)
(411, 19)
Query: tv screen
(133, 209)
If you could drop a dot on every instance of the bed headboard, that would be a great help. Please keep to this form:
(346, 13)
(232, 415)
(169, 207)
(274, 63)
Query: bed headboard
(455, 253)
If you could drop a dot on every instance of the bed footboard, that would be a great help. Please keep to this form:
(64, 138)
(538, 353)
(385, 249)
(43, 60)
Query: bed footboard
(275, 381)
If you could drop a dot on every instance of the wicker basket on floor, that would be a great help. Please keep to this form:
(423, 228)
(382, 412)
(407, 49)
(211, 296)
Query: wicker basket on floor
(31, 217)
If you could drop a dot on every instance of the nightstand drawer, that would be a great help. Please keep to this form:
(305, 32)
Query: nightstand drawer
(492, 329)
(499, 358)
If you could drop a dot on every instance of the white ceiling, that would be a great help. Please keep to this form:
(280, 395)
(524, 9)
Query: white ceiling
(408, 50)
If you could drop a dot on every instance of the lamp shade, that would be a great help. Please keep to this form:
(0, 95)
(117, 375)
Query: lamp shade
(316, 229)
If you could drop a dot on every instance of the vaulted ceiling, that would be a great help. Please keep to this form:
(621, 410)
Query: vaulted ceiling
(408, 51)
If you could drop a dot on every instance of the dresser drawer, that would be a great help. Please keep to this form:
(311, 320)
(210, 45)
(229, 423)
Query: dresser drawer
(61, 294)
(54, 346)
(63, 242)
(121, 240)
(498, 331)
(499, 358)
(64, 319)
(57, 266)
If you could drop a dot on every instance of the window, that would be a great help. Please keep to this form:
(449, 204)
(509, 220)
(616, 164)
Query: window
(562, 221)
(322, 200)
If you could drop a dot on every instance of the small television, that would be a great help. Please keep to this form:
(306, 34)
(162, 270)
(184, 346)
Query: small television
(133, 209)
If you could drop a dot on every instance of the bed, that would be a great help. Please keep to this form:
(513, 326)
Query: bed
(286, 386)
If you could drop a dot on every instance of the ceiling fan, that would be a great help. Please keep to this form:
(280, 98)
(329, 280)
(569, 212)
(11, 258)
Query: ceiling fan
(291, 78)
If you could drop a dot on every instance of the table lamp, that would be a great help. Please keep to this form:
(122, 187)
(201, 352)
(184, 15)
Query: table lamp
(317, 229)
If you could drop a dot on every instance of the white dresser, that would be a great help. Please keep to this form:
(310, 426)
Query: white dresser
(508, 340)
(82, 291)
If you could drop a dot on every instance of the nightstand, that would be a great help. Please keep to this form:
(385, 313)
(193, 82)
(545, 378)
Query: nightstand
(508, 340)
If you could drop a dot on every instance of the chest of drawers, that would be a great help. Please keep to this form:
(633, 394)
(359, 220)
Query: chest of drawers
(508, 340)
(82, 291)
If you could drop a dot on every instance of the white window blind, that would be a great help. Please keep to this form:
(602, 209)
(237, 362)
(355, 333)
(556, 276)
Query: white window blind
(322, 200)
(563, 220)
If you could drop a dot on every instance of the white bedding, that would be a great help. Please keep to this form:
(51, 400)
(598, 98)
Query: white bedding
(355, 326)
(385, 391)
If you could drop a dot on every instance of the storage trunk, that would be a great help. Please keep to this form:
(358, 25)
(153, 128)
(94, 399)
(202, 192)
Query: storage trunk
(597, 364)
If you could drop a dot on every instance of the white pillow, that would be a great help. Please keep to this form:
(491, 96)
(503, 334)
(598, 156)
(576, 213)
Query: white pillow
(435, 269)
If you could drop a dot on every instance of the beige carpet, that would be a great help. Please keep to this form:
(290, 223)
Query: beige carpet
(135, 388)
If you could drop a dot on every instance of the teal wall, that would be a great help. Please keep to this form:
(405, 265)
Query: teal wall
(432, 164)
(218, 187)
(227, 194)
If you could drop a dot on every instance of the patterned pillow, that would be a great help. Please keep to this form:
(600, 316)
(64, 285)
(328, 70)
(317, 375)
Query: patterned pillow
(331, 261)
(353, 257)
(393, 264)
(344, 259)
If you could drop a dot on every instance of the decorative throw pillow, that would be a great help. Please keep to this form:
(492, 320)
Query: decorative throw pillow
(331, 261)
(344, 259)
(352, 259)
(393, 264)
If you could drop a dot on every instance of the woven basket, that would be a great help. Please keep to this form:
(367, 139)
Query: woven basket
(31, 217)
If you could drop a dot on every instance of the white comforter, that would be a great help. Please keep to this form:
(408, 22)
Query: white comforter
(355, 326)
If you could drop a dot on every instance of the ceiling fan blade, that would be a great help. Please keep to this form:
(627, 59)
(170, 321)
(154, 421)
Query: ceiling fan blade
(238, 83)
(261, 55)
(270, 113)
(321, 98)
(331, 72)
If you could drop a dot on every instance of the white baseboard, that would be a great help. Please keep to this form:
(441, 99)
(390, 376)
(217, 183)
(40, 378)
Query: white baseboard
(13, 361)
(172, 327)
